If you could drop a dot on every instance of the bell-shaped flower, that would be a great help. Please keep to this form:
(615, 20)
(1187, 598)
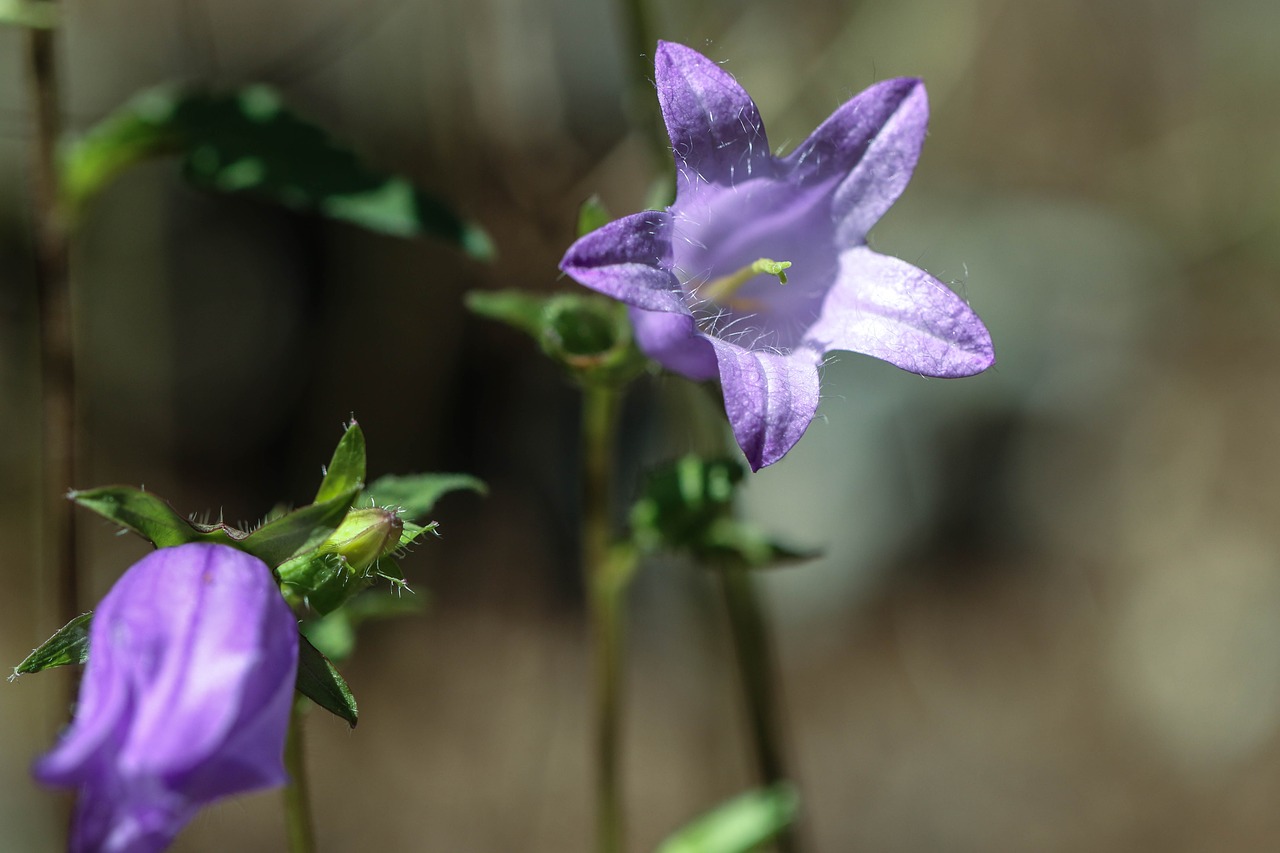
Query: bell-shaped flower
(185, 698)
(761, 265)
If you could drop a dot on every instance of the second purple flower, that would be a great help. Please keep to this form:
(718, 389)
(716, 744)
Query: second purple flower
(761, 265)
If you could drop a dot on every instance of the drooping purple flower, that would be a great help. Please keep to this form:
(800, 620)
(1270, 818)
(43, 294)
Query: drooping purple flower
(761, 265)
(185, 698)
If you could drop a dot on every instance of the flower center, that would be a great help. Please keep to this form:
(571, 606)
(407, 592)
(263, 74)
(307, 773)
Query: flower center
(724, 289)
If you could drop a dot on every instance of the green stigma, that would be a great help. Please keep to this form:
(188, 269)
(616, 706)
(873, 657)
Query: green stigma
(723, 288)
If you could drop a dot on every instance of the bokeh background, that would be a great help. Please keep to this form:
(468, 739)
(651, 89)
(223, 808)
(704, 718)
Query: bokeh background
(1048, 614)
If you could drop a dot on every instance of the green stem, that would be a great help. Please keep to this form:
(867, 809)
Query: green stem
(297, 796)
(53, 298)
(642, 105)
(753, 649)
(605, 582)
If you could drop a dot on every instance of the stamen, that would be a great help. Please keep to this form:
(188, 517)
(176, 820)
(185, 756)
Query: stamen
(721, 289)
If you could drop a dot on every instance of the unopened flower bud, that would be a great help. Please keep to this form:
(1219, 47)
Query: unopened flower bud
(325, 578)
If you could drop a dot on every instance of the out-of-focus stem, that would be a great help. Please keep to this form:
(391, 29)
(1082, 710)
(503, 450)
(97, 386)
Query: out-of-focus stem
(642, 104)
(605, 579)
(753, 649)
(53, 289)
(297, 794)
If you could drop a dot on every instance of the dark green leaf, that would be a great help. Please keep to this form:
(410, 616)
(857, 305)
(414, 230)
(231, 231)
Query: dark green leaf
(416, 494)
(70, 644)
(740, 825)
(248, 142)
(347, 468)
(320, 682)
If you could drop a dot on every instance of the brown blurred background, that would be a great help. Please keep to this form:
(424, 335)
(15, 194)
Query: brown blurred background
(1048, 618)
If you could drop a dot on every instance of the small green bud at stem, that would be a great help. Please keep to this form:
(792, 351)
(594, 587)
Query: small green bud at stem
(720, 289)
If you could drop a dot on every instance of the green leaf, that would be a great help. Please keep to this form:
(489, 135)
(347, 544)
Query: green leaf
(335, 633)
(587, 334)
(688, 506)
(299, 531)
(740, 825)
(34, 14)
(413, 532)
(70, 644)
(321, 682)
(416, 494)
(152, 518)
(248, 142)
(592, 215)
(347, 468)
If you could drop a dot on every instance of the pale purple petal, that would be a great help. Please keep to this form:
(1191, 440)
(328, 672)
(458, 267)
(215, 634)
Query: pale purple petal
(630, 260)
(715, 128)
(770, 398)
(673, 341)
(192, 660)
(870, 146)
(887, 308)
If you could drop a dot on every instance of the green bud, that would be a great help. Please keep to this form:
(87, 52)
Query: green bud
(324, 579)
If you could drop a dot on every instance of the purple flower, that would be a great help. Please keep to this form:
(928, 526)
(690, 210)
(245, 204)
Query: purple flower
(761, 266)
(185, 699)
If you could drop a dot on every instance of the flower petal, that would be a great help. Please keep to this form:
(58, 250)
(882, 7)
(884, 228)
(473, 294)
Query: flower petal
(770, 398)
(193, 657)
(630, 260)
(871, 144)
(887, 308)
(715, 127)
(673, 341)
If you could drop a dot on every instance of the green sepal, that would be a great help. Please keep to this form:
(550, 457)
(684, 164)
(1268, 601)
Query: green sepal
(740, 825)
(592, 215)
(246, 141)
(320, 681)
(33, 14)
(335, 633)
(69, 644)
(688, 506)
(274, 542)
(587, 334)
(415, 495)
(346, 470)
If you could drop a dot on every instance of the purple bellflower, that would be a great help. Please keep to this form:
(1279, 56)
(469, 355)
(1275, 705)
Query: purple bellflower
(761, 265)
(185, 698)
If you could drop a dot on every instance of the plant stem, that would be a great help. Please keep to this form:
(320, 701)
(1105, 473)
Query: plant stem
(753, 649)
(297, 795)
(53, 298)
(605, 581)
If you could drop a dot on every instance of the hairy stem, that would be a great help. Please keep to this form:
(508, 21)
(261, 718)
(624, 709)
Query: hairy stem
(297, 794)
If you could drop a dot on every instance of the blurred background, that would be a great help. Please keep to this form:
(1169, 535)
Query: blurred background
(1048, 614)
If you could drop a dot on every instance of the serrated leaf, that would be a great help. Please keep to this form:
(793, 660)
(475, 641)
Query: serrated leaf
(320, 681)
(248, 142)
(416, 494)
(740, 825)
(69, 644)
(151, 517)
(346, 469)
